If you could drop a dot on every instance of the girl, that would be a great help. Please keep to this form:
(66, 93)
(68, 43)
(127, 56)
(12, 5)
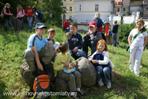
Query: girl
(137, 39)
(67, 67)
(100, 59)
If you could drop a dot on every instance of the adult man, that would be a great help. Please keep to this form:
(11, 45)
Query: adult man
(92, 37)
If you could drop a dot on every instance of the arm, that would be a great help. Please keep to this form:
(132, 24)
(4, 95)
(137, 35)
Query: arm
(31, 44)
(39, 65)
(106, 59)
(129, 40)
(145, 40)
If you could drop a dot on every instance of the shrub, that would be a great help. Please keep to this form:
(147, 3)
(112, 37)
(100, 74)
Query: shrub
(124, 30)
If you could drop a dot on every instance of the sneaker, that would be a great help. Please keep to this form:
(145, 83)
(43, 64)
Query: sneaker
(109, 85)
(101, 83)
(73, 95)
(80, 92)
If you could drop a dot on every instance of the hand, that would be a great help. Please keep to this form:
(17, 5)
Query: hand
(94, 61)
(75, 49)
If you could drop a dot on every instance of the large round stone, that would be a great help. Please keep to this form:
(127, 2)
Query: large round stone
(88, 72)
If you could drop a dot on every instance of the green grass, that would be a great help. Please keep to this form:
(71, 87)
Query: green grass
(125, 84)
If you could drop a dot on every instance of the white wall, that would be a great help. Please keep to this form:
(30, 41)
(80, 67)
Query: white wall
(88, 10)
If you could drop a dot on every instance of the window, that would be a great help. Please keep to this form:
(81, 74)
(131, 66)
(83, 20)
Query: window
(70, 8)
(80, 8)
(96, 7)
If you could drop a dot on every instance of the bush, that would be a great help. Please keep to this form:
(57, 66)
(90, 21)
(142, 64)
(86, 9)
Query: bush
(124, 31)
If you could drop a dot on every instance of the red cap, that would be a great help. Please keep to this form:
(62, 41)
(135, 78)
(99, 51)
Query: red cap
(92, 24)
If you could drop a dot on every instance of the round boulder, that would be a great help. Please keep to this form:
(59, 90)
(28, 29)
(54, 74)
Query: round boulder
(88, 72)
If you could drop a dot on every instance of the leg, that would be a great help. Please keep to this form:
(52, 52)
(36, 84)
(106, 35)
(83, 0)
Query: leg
(132, 58)
(85, 45)
(107, 74)
(138, 56)
(70, 79)
(100, 75)
(77, 78)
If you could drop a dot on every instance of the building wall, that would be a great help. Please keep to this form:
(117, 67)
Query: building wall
(84, 10)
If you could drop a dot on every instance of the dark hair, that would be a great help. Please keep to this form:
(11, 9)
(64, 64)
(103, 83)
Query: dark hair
(74, 24)
(63, 47)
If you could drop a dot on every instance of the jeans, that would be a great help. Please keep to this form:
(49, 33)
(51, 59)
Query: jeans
(8, 23)
(114, 37)
(104, 73)
(30, 22)
(73, 80)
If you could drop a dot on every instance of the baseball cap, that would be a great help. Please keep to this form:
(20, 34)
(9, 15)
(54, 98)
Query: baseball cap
(92, 24)
(40, 25)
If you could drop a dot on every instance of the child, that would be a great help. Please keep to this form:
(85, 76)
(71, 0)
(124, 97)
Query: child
(51, 37)
(75, 42)
(137, 39)
(66, 64)
(100, 59)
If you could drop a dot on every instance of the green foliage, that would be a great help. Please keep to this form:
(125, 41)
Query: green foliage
(52, 9)
(124, 30)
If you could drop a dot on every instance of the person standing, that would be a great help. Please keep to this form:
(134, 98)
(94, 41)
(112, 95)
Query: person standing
(7, 16)
(137, 39)
(107, 32)
(20, 17)
(99, 22)
(115, 33)
(29, 15)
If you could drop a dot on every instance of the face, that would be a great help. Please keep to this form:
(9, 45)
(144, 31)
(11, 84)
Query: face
(40, 31)
(101, 47)
(52, 34)
(73, 29)
(92, 29)
(139, 25)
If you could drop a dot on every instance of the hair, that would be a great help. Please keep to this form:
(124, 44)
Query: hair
(140, 20)
(63, 47)
(74, 24)
(102, 42)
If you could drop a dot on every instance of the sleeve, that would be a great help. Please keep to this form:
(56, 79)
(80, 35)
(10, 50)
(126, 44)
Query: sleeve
(57, 63)
(80, 42)
(71, 59)
(31, 41)
(91, 57)
(106, 59)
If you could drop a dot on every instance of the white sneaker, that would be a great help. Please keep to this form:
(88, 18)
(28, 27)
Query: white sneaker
(109, 85)
(100, 82)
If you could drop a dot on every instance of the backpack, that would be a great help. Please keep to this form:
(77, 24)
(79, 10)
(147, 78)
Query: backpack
(41, 86)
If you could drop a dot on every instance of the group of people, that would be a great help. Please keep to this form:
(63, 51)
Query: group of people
(68, 52)
(110, 32)
(31, 14)
(76, 46)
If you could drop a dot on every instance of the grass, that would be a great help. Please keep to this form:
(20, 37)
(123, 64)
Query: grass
(125, 84)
